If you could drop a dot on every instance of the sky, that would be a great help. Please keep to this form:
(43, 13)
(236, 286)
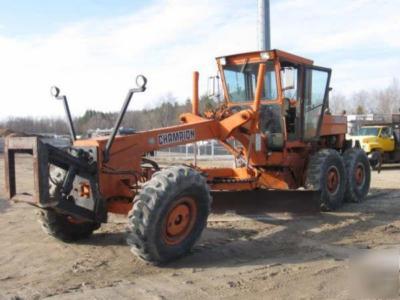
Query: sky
(94, 49)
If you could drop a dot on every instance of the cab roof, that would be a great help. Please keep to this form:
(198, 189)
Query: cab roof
(272, 54)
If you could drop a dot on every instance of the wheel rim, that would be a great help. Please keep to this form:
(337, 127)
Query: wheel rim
(333, 180)
(180, 220)
(359, 174)
(75, 221)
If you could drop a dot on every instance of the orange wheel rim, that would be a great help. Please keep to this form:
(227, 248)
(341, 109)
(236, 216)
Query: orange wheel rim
(72, 220)
(333, 180)
(360, 174)
(180, 220)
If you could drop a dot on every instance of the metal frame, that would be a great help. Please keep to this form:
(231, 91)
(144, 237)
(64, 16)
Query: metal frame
(27, 145)
(141, 82)
(45, 155)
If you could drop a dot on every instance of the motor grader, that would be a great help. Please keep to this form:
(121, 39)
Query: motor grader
(276, 109)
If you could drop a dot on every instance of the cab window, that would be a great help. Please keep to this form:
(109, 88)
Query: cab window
(241, 82)
(386, 132)
(291, 92)
(316, 85)
(368, 131)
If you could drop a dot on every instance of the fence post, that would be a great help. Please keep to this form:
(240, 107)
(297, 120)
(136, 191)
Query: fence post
(195, 154)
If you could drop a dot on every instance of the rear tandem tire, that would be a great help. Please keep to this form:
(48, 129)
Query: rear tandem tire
(326, 174)
(358, 173)
(169, 214)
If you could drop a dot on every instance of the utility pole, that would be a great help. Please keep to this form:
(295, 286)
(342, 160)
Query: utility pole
(264, 25)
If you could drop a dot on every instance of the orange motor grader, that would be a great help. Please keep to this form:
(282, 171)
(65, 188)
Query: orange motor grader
(276, 108)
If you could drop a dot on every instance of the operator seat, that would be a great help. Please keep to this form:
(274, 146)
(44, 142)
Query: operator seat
(271, 126)
(290, 110)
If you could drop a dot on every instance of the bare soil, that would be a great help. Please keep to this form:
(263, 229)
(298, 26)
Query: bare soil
(273, 253)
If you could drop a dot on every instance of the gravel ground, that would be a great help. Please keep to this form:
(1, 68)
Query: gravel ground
(270, 254)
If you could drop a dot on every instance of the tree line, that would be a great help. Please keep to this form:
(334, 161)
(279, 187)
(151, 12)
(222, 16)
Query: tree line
(165, 114)
(385, 100)
(380, 101)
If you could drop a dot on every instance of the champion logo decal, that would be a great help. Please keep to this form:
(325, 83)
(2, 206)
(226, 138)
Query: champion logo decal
(176, 137)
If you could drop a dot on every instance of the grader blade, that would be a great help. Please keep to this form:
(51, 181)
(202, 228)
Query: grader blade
(265, 201)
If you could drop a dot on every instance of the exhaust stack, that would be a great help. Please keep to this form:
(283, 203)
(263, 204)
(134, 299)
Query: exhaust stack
(264, 25)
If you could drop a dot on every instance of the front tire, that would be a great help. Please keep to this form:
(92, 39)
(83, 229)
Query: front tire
(326, 174)
(64, 227)
(61, 226)
(169, 214)
(358, 175)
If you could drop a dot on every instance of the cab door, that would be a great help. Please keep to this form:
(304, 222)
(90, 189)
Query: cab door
(386, 139)
(315, 98)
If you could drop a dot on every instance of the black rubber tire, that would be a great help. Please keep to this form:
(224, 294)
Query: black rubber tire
(147, 219)
(61, 226)
(377, 157)
(319, 166)
(353, 159)
(373, 164)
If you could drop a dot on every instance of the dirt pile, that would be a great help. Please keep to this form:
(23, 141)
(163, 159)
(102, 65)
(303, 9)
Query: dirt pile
(5, 132)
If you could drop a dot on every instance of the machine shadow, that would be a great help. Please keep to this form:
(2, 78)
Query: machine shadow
(266, 201)
(389, 167)
(242, 203)
(105, 239)
(233, 246)
(283, 246)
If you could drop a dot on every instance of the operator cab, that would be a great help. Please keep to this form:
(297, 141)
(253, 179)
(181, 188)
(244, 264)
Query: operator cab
(294, 95)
